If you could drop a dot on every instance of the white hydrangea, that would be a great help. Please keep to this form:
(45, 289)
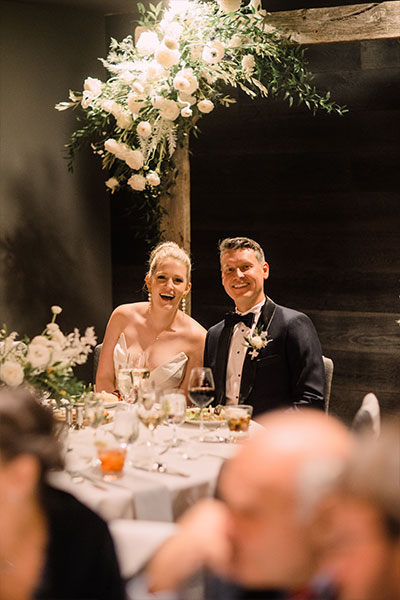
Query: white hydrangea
(147, 43)
(213, 53)
(169, 110)
(205, 106)
(153, 179)
(137, 182)
(144, 129)
(11, 373)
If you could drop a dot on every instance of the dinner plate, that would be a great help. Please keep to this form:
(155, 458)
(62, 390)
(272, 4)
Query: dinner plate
(206, 421)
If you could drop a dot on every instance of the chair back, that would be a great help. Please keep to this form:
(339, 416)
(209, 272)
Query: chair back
(367, 419)
(96, 356)
(328, 365)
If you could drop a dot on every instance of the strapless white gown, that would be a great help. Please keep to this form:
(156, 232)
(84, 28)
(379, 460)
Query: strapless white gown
(165, 377)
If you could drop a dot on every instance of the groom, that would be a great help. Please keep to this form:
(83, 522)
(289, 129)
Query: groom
(262, 354)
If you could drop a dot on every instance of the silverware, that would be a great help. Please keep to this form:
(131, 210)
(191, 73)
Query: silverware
(161, 468)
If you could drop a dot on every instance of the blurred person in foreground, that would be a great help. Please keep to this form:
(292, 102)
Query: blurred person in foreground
(359, 524)
(256, 537)
(51, 545)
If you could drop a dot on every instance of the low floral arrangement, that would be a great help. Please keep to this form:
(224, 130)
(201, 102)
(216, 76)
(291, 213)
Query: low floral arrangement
(46, 362)
(185, 58)
(256, 341)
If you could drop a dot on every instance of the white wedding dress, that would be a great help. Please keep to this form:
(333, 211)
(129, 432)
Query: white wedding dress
(165, 377)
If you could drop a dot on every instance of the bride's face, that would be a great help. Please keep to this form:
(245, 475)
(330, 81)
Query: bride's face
(168, 283)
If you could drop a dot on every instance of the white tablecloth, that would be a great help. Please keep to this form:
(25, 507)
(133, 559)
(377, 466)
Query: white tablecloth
(145, 495)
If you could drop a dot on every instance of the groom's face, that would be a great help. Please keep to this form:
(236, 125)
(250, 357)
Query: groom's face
(243, 277)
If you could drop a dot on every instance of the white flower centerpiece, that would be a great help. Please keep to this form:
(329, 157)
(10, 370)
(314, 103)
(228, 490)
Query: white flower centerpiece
(46, 362)
(185, 58)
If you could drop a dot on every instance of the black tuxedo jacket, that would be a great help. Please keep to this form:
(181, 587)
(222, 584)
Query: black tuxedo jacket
(289, 371)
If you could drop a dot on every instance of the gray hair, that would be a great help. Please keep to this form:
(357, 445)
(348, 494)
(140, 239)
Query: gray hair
(239, 243)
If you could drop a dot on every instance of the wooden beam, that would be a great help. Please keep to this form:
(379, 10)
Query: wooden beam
(378, 20)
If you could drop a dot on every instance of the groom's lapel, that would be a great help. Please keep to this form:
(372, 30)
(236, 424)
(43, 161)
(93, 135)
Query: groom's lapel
(221, 362)
(250, 365)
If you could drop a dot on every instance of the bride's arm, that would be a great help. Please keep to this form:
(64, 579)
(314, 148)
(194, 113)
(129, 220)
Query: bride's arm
(105, 377)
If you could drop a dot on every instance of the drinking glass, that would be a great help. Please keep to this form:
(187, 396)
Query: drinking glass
(94, 415)
(150, 412)
(238, 420)
(174, 404)
(111, 455)
(201, 391)
(140, 372)
(126, 425)
(125, 384)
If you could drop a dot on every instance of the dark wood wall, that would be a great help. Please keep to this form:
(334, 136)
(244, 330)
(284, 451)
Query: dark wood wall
(321, 194)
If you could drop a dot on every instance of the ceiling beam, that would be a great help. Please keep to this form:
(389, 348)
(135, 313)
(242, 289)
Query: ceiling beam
(378, 20)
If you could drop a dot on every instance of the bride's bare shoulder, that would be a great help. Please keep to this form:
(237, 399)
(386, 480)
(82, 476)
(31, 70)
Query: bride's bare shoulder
(130, 311)
(197, 331)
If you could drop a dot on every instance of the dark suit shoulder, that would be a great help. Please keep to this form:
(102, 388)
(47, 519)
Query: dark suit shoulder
(216, 329)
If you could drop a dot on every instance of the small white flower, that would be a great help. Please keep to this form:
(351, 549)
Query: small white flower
(195, 52)
(40, 340)
(119, 150)
(191, 79)
(236, 41)
(158, 102)
(11, 373)
(56, 310)
(154, 71)
(93, 85)
(186, 112)
(108, 105)
(112, 183)
(134, 159)
(169, 110)
(257, 341)
(144, 129)
(167, 58)
(171, 29)
(229, 6)
(38, 355)
(205, 106)
(181, 83)
(147, 43)
(137, 182)
(186, 99)
(124, 119)
(138, 88)
(248, 62)
(52, 327)
(153, 179)
(87, 98)
(135, 104)
(213, 53)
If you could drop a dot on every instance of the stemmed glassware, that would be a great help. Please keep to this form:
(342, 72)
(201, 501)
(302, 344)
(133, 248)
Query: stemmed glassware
(94, 415)
(174, 405)
(126, 425)
(150, 412)
(201, 391)
(125, 384)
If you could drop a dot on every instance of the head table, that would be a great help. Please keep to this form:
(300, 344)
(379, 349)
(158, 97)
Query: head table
(140, 494)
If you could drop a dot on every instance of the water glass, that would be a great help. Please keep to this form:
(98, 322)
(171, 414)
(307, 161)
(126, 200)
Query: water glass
(174, 405)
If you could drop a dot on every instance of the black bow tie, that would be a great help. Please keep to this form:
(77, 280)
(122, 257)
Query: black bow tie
(232, 318)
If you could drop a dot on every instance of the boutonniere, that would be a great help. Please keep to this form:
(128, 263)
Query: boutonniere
(256, 341)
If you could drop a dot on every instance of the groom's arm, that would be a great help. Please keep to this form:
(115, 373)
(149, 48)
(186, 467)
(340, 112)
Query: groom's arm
(306, 366)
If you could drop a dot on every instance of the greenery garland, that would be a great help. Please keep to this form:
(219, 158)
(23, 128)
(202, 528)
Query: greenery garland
(179, 69)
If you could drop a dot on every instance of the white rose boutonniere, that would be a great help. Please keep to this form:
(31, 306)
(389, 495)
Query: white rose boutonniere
(256, 341)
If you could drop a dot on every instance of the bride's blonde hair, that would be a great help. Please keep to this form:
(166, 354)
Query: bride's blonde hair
(169, 250)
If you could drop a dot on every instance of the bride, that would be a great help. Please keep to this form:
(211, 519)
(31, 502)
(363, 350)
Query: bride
(171, 341)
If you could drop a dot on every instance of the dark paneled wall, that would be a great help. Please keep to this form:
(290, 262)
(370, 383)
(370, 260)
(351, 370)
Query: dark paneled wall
(54, 226)
(322, 196)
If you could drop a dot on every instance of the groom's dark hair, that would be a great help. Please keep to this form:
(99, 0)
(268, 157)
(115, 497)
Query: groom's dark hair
(238, 243)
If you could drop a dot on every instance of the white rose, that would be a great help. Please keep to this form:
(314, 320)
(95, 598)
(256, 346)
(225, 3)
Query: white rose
(134, 159)
(171, 30)
(205, 106)
(181, 83)
(213, 52)
(56, 310)
(186, 112)
(154, 71)
(112, 183)
(124, 119)
(40, 340)
(134, 104)
(257, 341)
(137, 182)
(229, 6)
(153, 178)
(235, 42)
(87, 98)
(248, 62)
(52, 327)
(114, 147)
(170, 110)
(38, 355)
(144, 129)
(108, 105)
(167, 58)
(93, 85)
(185, 99)
(127, 77)
(191, 79)
(138, 87)
(11, 373)
(147, 43)
(170, 43)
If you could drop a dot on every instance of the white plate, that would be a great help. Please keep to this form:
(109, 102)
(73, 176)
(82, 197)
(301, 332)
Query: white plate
(213, 423)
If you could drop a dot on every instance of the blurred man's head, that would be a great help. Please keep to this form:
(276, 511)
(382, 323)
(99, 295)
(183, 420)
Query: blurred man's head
(360, 522)
(270, 488)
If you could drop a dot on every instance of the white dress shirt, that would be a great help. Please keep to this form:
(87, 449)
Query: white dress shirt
(237, 353)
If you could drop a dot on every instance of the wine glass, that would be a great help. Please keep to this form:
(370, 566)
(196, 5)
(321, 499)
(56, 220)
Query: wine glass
(174, 404)
(140, 372)
(201, 391)
(125, 383)
(94, 415)
(126, 425)
(150, 412)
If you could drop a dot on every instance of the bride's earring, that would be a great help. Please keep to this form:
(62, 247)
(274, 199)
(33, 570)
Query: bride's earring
(183, 304)
(149, 296)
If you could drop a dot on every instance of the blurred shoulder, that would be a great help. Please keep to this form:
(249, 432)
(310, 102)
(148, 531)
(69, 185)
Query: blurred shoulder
(130, 311)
